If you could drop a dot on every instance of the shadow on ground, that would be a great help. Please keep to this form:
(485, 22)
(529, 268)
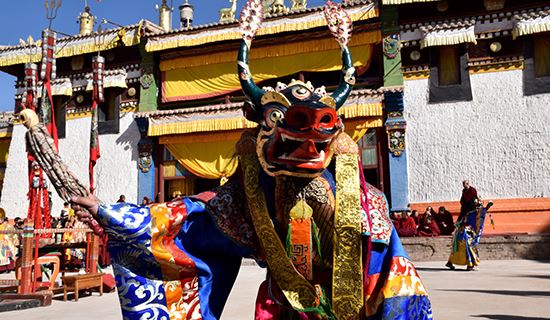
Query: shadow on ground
(507, 317)
(535, 276)
(506, 292)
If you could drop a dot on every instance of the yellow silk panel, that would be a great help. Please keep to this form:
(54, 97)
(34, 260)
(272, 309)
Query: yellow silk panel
(208, 160)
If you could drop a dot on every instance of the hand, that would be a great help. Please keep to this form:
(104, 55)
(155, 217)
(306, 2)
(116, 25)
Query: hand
(86, 209)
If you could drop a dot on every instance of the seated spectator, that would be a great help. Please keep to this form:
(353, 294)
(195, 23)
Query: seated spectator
(8, 246)
(415, 217)
(394, 216)
(407, 226)
(146, 201)
(444, 220)
(428, 227)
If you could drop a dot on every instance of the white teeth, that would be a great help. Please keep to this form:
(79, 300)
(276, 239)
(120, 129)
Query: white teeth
(285, 137)
(319, 159)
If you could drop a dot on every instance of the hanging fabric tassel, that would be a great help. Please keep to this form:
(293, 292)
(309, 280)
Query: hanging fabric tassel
(299, 238)
(47, 74)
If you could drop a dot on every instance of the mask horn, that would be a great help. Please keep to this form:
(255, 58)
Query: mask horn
(340, 25)
(250, 89)
(250, 22)
(347, 79)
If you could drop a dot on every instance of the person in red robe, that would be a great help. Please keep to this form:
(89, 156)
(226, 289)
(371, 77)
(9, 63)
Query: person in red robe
(414, 215)
(468, 199)
(428, 226)
(444, 220)
(394, 216)
(407, 226)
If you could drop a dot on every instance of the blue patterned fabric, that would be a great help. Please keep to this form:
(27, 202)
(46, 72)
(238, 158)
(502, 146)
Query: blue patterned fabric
(138, 275)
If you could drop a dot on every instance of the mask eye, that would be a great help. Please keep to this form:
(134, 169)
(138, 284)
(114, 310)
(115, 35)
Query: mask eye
(274, 116)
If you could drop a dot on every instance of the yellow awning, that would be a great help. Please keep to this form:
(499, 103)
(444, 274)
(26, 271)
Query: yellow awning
(443, 36)
(528, 23)
(176, 124)
(200, 77)
(75, 45)
(290, 23)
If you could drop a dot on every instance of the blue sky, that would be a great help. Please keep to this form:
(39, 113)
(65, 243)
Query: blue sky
(22, 18)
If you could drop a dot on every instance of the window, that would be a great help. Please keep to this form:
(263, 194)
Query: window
(372, 156)
(536, 71)
(109, 112)
(541, 54)
(449, 75)
(60, 113)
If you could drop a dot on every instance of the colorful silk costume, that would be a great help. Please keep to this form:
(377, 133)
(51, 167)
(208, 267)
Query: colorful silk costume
(467, 237)
(299, 205)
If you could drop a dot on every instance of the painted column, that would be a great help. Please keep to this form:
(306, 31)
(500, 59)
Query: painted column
(393, 104)
(149, 88)
(148, 101)
(146, 165)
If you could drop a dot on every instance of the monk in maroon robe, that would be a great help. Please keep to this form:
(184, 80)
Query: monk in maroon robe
(407, 226)
(444, 220)
(468, 199)
(428, 227)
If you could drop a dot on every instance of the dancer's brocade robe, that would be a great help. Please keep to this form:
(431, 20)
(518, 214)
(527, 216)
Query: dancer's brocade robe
(179, 260)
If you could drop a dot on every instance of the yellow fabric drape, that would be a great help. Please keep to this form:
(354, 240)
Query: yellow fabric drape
(356, 128)
(182, 187)
(208, 160)
(193, 78)
(4, 149)
(449, 66)
(542, 54)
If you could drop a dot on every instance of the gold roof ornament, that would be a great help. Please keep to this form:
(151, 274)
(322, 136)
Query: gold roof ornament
(165, 16)
(228, 14)
(275, 6)
(298, 4)
(86, 21)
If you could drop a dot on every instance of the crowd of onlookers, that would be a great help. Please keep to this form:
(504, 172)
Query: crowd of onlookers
(428, 224)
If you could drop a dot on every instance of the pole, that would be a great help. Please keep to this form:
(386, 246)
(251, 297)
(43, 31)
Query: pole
(26, 259)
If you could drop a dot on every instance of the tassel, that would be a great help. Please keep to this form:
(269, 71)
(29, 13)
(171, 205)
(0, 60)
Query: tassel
(288, 243)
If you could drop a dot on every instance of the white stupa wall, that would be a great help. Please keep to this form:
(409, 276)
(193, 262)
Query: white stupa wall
(116, 171)
(499, 141)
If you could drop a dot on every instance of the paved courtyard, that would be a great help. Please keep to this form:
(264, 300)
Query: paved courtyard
(499, 290)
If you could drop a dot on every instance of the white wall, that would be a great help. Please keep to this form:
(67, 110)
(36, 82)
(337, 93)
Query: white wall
(116, 171)
(500, 141)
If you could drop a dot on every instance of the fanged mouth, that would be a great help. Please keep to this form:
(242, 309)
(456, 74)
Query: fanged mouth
(301, 149)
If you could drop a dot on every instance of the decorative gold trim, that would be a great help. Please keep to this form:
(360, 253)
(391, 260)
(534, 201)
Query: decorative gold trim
(329, 101)
(79, 114)
(298, 291)
(347, 275)
(274, 96)
(127, 109)
(416, 75)
(496, 66)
